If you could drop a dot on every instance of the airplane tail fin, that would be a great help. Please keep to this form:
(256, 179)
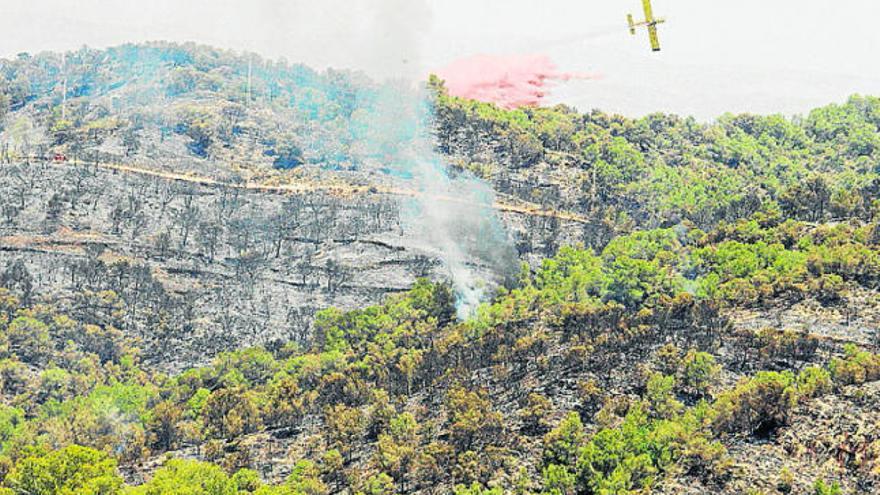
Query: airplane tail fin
(632, 24)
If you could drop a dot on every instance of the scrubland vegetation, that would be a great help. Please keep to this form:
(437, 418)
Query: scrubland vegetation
(617, 363)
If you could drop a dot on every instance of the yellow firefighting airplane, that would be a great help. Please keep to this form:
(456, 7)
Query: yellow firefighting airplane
(650, 22)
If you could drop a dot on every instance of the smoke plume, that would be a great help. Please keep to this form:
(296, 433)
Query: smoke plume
(450, 216)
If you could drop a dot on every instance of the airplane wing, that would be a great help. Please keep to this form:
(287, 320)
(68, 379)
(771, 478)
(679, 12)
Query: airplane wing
(652, 34)
(649, 14)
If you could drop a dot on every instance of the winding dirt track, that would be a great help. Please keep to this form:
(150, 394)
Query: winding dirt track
(524, 208)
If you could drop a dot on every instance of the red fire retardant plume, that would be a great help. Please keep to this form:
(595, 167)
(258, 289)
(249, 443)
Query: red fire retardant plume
(509, 81)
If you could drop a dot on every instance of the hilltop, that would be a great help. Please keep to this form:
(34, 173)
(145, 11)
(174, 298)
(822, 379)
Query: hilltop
(212, 257)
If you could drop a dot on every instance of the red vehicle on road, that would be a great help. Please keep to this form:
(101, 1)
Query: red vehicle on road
(59, 157)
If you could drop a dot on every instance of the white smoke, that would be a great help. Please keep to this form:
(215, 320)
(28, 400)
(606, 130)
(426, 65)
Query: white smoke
(452, 216)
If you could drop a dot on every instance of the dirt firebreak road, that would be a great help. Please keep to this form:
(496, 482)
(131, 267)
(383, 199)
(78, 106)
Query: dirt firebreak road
(524, 208)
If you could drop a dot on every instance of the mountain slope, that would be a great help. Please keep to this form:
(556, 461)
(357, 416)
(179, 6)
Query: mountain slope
(228, 270)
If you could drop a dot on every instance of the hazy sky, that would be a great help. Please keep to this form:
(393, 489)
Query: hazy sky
(760, 56)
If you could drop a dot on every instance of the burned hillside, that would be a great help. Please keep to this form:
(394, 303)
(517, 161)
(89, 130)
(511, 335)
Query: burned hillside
(219, 267)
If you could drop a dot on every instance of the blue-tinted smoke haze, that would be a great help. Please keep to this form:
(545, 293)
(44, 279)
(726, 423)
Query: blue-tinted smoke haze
(452, 215)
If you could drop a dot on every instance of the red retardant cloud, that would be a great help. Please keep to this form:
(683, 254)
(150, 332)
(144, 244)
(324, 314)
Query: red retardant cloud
(509, 81)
